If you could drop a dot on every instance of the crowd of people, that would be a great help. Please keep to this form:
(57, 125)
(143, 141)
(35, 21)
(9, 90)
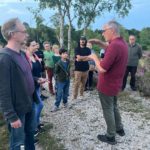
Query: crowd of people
(25, 68)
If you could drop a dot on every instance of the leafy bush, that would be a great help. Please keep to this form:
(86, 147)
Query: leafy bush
(143, 76)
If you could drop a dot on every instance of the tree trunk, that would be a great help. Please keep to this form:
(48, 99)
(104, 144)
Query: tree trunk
(84, 31)
(61, 31)
(69, 38)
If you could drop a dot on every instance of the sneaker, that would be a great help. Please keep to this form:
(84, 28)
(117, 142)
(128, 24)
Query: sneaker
(41, 130)
(133, 88)
(121, 132)
(55, 108)
(73, 98)
(109, 140)
(36, 132)
(81, 97)
(43, 97)
(86, 89)
(41, 125)
(90, 89)
(65, 105)
(36, 141)
(43, 89)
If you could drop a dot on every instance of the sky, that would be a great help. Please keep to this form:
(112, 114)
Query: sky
(138, 17)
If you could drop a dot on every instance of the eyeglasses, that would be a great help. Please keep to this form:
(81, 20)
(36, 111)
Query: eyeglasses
(24, 32)
(33, 45)
(102, 31)
(132, 39)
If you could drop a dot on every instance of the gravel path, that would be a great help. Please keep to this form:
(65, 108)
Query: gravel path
(78, 125)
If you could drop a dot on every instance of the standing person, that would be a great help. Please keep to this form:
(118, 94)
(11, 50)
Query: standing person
(40, 54)
(81, 67)
(135, 53)
(111, 71)
(62, 71)
(56, 56)
(17, 87)
(36, 67)
(89, 82)
(49, 64)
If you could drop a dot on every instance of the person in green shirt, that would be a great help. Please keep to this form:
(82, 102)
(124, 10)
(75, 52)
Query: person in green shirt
(56, 56)
(49, 64)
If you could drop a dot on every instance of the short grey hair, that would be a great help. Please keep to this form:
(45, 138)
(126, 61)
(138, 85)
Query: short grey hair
(46, 42)
(9, 27)
(114, 25)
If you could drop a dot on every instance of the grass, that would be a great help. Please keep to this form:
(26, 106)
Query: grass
(47, 142)
(3, 135)
(130, 104)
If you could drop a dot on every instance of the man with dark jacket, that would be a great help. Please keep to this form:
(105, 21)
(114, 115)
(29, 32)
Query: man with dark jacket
(134, 54)
(17, 87)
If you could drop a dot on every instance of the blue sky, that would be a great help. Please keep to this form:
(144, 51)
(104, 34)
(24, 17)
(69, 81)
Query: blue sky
(138, 17)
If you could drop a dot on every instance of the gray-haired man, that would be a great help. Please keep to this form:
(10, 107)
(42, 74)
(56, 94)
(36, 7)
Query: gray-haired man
(16, 87)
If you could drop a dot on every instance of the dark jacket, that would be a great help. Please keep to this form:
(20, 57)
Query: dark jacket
(14, 95)
(62, 74)
(40, 54)
(134, 54)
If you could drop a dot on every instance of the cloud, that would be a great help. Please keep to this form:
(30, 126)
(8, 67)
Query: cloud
(8, 1)
(15, 11)
(3, 5)
(14, 1)
(137, 4)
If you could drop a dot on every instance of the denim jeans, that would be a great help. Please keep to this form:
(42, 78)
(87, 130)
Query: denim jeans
(38, 107)
(25, 134)
(62, 92)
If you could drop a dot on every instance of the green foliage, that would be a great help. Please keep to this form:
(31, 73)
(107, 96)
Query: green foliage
(131, 104)
(143, 84)
(47, 141)
(42, 34)
(124, 33)
(144, 38)
(143, 76)
(96, 34)
(3, 134)
(88, 10)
